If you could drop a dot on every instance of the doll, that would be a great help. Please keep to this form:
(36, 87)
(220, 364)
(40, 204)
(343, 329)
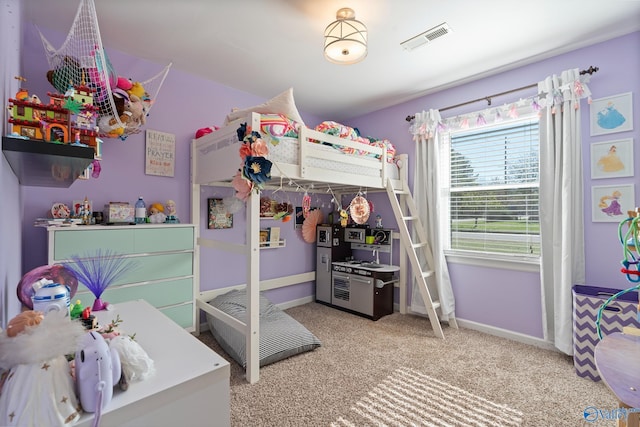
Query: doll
(37, 388)
(156, 214)
(171, 212)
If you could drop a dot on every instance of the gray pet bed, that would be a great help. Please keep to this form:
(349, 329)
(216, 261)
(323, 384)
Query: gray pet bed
(281, 336)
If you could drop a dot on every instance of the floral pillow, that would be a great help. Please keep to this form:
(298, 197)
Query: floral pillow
(276, 126)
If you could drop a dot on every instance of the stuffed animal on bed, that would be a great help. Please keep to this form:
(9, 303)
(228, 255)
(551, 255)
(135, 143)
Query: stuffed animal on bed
(37, 388)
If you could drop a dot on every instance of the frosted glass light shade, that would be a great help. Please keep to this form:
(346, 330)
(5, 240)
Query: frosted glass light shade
(345, 40)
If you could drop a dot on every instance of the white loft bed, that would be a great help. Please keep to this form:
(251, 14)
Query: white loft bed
(313, 159)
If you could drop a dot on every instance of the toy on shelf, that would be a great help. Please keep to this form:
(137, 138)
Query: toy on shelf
(630, 241)
(172, 218)
(156, 214)
(69, 118)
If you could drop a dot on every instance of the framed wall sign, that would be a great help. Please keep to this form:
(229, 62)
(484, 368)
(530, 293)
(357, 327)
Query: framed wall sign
(610, 203)
(160, 153)
(611, 114)
(612, 159)
(219, 217)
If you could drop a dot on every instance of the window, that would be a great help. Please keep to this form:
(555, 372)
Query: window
(492, 180)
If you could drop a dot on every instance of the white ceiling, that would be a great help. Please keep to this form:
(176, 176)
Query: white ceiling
(266, 46)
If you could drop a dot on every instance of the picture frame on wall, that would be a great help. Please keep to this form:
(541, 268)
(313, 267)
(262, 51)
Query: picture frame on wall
(218, 217)
(299, 218)
(610, 203)
(611, 114)
(612, 159)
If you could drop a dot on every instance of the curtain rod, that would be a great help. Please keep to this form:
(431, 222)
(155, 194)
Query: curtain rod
(589, 70)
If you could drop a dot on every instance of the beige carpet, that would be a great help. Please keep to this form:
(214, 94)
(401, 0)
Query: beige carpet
(394, 372)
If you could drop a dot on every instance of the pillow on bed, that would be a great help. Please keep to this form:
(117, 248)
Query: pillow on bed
(280, 104)
(281, 336)
(276, 126)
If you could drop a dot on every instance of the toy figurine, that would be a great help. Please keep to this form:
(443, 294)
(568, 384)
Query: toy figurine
(86, 212)
(378, 221)
(170, 206)
(156, 214)
(76, 310)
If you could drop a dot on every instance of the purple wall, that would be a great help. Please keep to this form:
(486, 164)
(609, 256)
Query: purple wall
(500, 298)
(10, 236)
(185, 104)
(508, 299)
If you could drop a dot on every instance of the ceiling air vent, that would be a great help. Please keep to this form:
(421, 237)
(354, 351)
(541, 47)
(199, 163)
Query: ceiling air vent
(426, 37)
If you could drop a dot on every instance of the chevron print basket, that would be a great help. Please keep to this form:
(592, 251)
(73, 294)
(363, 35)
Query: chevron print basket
(586, 303)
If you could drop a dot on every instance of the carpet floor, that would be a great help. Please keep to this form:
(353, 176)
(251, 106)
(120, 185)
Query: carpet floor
(395, 372)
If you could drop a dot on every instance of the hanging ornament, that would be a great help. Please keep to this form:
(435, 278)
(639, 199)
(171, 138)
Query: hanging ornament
(359, 209)
(344, 217)
(232, 204)
(498, 117)
(513, 111)
(535, 106)
(306, 204)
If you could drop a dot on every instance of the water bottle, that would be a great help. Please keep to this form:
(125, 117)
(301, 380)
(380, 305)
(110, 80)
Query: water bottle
(141, 211)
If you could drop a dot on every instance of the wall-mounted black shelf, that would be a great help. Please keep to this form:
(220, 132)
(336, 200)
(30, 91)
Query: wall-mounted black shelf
(45, 164)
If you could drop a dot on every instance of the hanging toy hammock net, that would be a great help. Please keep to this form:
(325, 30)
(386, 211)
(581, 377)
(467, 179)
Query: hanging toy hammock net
(123, 104)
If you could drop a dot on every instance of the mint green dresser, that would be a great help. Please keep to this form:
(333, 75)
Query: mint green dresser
(163, 256)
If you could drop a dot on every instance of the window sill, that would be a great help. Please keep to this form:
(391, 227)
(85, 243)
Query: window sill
(494, 261)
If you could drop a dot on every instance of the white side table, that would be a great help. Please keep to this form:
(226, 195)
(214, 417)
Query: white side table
(191, 383)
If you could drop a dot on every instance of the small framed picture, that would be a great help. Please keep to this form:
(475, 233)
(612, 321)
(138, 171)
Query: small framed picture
(264, 237)
(611, 114)
(612, 159)
(218, 215)
(610, 203)
(299, 218)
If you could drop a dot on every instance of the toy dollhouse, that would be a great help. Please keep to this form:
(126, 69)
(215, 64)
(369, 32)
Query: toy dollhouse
(69, 118)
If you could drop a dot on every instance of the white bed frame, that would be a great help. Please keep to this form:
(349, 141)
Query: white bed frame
(215, 160)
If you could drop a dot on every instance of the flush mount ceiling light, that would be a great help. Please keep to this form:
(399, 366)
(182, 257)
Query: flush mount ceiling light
(345, 39)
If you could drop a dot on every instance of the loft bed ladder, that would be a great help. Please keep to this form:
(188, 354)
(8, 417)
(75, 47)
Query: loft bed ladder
(418, 252)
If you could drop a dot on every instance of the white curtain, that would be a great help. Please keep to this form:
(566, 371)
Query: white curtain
(426, 196)
(561, 203)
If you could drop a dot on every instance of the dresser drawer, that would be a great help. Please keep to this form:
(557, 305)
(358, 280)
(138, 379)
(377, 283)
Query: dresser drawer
(154, 267)
(158, 294)
(71, 243)
(163, 264)
(171, 239)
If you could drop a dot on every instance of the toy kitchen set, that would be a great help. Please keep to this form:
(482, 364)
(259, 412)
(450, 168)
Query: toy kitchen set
(358, 286)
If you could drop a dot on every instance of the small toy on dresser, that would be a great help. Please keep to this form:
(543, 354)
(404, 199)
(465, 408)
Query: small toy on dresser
(156, 214)
(172, 218)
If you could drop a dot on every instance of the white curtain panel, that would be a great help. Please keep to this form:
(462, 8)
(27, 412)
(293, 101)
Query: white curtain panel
(561, 204)
(426, 195)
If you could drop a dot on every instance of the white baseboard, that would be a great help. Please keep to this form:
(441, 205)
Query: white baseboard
(468, 324)
(204, 326)
(504, 333)
(296, 302)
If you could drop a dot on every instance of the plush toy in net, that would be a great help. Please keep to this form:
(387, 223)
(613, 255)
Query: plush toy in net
(123, 104)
